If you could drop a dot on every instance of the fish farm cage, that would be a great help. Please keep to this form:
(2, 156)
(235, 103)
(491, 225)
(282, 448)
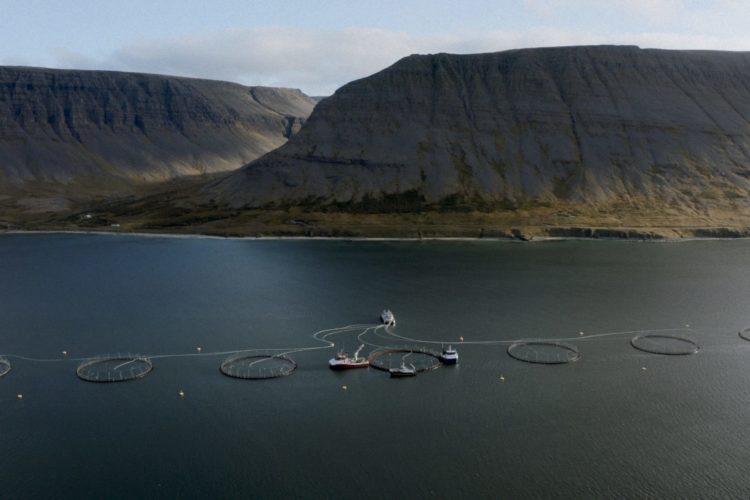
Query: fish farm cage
(669, 345)
(422, 359)
(4, 366)
(117, 368)
(258, 366)
(544, 352)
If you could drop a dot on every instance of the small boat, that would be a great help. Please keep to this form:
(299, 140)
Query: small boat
(343, 361)
(403, 371)
(387, 318)
(449, 356)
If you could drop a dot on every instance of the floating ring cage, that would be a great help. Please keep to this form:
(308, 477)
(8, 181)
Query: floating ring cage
(119, 368)
(257, 366)
(545, 352)
(4, 366)
(670, 345)
(422, 359)
(745, 334)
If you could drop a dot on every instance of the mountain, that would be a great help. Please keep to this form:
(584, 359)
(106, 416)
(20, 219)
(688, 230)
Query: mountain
(70, 133)
(596, 128)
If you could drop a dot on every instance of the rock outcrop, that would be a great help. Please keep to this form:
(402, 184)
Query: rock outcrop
(89, 130)
(600, 125)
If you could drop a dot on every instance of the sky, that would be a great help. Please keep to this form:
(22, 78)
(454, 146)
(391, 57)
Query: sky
(317, 46)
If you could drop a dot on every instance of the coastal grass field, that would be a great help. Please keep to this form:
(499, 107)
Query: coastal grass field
(526, 224)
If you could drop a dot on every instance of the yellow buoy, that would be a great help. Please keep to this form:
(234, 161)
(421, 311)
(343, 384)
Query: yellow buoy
(580, 333)
(65, 353)
(502, 378)
(20, 396)
(199, 349)
(461, 338)
(344, 387)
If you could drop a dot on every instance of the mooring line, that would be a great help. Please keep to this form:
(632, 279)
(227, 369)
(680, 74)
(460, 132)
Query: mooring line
(526, 339)
(322, 336)
(328, 331)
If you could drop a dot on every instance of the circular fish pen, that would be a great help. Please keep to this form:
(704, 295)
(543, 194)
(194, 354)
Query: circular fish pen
(258, 366)
(422, 359)
(120, 368)
(669, 345)
(745, 334)
(4, 366)
(544, 352)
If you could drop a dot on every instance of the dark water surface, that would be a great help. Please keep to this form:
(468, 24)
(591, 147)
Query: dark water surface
(598, 428)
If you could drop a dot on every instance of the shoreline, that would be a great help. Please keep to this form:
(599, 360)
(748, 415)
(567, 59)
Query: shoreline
(534, 239)
(295, 223)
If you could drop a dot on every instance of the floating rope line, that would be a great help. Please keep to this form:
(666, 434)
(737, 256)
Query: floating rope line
(201, 354)
(375, 330)
(278, 360)
(516, 341)
(559, 351)
(119, 368)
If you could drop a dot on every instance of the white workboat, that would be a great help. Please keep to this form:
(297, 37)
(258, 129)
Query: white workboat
(403, 371)
(387, 318)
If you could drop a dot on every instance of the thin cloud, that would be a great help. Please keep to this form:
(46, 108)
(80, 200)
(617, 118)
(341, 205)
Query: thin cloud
(647, 12)
(319, 61)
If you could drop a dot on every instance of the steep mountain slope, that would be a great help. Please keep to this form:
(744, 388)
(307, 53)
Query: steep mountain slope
(602, 126)
(84, 132)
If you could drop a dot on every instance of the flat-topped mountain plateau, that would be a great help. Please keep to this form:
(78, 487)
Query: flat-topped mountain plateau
(593, 140)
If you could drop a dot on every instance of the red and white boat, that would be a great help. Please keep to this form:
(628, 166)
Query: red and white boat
(343, 361)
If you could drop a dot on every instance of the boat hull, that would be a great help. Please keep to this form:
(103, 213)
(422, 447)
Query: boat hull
(347, 366)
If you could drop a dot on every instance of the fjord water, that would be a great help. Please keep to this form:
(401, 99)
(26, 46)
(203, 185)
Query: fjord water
(618, 423)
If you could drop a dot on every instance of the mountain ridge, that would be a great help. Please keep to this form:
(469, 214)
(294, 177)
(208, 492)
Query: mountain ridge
(597, 125)
(87, 133)
(591, 141)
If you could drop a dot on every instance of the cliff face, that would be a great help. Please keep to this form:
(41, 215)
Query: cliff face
(86, 130)
(597, 125)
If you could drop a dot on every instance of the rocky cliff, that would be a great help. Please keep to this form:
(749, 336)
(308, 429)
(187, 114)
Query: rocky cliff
(91, 130)
(598, 126)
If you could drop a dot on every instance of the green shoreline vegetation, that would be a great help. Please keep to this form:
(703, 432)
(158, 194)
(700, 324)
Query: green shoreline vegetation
(297, 223)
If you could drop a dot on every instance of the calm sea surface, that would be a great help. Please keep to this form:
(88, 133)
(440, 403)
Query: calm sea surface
(617, 423)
